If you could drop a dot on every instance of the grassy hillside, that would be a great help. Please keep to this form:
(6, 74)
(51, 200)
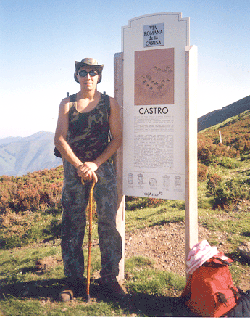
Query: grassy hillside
(30, 217)
(30, 206)
(217, 116)
(224, 167)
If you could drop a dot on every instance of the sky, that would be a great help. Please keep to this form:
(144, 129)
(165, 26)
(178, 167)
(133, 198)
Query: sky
(41, 40)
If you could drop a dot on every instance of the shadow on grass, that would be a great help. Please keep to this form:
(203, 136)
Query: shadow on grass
(146, 305)
(240, 257)
(246, 234)
(141, 304)
(167, 221)
(36, 289)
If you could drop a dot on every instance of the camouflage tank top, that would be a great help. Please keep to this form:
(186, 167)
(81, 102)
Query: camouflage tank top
(88, 132)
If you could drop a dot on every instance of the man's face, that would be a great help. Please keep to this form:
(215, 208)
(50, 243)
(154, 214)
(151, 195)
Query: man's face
(88, 77)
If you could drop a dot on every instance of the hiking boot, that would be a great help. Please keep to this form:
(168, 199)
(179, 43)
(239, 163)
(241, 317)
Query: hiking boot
(66, 294)
(74, 287)
(113, 289)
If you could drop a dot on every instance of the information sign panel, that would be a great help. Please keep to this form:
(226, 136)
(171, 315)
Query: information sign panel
(154, 106)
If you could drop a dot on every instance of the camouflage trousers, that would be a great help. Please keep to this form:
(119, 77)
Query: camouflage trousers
(74, 201)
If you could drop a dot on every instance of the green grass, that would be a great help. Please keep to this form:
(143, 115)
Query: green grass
(28, 236)
(143, 281)
(147, 280)
(25, 293)
(17, 274)
(149, 217)
(236, 225)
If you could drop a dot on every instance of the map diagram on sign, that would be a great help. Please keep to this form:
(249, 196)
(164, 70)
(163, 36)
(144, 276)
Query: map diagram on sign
(154, 77)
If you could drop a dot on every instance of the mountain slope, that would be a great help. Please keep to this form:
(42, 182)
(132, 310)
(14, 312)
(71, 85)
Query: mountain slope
(218, 116)
(21, 155)
(9, 140)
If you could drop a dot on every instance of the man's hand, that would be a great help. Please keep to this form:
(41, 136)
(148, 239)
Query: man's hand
(87, 171)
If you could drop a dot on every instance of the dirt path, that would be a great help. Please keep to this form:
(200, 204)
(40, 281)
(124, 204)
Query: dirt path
(166, 246)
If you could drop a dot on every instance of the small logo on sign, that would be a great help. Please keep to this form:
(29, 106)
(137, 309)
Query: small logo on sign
(153, 35)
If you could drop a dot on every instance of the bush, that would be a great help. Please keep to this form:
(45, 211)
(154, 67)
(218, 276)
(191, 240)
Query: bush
(18, 229)
(214, 181)
(229, 163)
(222, 198)
(133, 203)
(34, 191)
(226, 193)
(202, 172)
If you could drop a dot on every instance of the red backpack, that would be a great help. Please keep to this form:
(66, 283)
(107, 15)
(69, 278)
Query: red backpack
(210, 291)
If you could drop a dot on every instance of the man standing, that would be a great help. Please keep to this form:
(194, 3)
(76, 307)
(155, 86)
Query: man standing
(88, 133)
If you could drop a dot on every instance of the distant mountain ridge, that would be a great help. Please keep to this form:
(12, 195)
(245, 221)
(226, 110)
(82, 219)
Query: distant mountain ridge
(217, 116)
(19, 156)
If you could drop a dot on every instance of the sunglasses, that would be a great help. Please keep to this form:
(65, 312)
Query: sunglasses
(83, 73)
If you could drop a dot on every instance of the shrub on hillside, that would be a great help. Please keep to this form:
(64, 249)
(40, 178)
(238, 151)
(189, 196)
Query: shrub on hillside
(214, 181)
(34, 191)
(18, 229)
(227, 192)
(209, 153)
(234, 134)
(229, 163)
(133, 203)
(202, 172)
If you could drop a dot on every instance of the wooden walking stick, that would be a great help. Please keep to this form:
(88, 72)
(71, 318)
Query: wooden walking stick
(90, 215)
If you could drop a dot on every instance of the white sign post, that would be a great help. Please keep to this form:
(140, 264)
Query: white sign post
(155, 83)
